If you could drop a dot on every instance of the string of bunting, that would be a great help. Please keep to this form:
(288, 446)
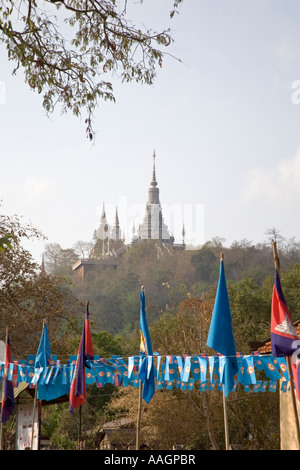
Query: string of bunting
(187, 372)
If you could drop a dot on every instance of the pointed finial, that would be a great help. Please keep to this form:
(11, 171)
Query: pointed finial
(43, 270)
(103, 213)
(153, 182)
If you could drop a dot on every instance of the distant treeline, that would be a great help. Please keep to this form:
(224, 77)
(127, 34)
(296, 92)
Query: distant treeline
(168, 275)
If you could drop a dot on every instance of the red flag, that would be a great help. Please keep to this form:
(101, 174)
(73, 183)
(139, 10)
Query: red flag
(8, 400)
(85, 353)
(284, 338)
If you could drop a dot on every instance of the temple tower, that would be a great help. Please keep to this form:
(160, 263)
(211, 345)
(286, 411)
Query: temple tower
(153, 226)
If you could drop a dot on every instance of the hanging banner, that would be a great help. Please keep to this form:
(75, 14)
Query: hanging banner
(186, 372)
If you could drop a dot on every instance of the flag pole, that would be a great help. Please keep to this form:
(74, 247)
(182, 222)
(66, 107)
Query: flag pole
(87, 303)
(33, 415)
(225, 421)
(80, 407)
(79, 425)
(138, 426)
(224, 399)
(146, 368)
(288, 358)
(34, 405)
(1, 428)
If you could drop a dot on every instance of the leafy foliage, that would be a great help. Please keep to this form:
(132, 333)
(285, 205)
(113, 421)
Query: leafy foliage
(179, 305)
(5, 242)
(195, 419)
(67, 48)
(28, 295)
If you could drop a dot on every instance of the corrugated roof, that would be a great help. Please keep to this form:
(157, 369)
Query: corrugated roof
(20, 388)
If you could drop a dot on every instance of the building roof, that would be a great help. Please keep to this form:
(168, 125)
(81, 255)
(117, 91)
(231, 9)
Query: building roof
(265, 347)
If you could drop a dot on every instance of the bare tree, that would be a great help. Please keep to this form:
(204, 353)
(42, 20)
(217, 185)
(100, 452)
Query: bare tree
(274, 235)
(83, 249)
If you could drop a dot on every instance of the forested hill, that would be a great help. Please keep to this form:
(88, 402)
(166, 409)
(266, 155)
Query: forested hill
(170, 276)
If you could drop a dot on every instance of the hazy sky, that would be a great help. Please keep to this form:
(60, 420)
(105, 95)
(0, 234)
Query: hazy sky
(224, 123)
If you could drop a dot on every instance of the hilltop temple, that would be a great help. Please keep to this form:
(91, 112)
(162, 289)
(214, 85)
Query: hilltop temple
(153, 226)
(109, 245)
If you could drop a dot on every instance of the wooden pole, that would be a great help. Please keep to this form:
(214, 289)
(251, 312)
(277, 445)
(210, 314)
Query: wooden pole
(224, 400)
(33, 415)
(1, 436)
(1, 427)
(34, 405)
(225, 421)
(288, 358)
(87, 303)
(79, 425)
(138, 426)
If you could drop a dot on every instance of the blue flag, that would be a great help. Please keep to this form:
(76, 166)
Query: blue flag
(46, 389)
(246, 373)
(43, 355)
(220, 336)
(170, 369)
(146, 373)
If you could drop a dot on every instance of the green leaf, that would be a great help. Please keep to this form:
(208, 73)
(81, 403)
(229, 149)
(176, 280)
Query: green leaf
(5, 241)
